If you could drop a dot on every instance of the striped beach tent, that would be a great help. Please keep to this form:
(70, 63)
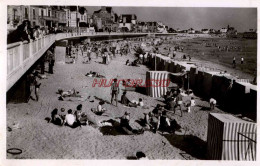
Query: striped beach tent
(230, 138)
(154, 77)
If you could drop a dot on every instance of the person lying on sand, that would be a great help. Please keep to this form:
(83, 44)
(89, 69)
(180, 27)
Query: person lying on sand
(100, 109)
(72, 61)
(94, 74)
(134, 63)
(69, 93)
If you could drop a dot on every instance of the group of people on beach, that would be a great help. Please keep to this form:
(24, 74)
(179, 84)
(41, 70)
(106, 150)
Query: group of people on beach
(70, 118)
(155, 120)
(104, 49)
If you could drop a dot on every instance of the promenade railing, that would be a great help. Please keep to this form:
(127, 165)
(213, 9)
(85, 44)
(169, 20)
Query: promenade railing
(22, 55)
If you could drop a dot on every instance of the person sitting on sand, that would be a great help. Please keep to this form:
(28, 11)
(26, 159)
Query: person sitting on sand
(55, 118)
(124, 124)
(157, 109)
(126, 101)
(149, 121)
(139, 103)
(100, 109)
(62, 113)
(81, 118)
(166, 125)
(70, 119)
(141, 156)
(127, 63)
(163, 122)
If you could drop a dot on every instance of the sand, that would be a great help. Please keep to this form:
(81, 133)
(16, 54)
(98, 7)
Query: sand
(41, 140)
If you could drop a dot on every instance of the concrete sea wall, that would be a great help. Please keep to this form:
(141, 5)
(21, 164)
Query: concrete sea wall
(233, 95)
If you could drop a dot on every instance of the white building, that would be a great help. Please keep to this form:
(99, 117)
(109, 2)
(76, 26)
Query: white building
(127, 22)
(223, 30)
(161, 28)
(205, 31)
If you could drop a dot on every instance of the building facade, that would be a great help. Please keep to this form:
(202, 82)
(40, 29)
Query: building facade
(127, 22)
(107, 17)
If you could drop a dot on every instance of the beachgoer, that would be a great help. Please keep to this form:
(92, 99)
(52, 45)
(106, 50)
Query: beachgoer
(36, 85)
(127, 62)
(126, 101)
(81, 118)
(55, 118)
(100, 109)
(172, 104)
(212, 103)
(163, 122)
(234, 62)
(141, 156)
(157, 110)
(179, 101)
(70, 119)
(51, 61)
(242, 60)
(124, 124)
(114, 91)
(62, 113)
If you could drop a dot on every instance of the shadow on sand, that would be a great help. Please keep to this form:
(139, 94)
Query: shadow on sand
(192, 145)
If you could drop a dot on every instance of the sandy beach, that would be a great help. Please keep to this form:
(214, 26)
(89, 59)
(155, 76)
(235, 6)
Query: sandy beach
(41, 140)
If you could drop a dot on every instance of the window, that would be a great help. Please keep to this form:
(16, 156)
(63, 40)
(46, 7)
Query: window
(49, 13)
(25, 12)
(42, 12)
(14, 10)
(33, 13)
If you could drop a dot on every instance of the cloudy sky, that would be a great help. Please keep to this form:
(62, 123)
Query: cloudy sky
(198, 18)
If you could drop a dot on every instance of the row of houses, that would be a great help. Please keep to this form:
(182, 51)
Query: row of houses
(230, 32)
(101, 20)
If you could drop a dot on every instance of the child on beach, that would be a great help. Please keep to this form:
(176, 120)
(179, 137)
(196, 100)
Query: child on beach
(212, 103)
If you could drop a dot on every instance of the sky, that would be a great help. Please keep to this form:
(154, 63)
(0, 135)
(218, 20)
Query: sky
(197, 18)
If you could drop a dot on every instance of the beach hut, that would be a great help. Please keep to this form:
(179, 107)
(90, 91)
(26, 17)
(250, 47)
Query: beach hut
(230, 138)
(156, 83)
